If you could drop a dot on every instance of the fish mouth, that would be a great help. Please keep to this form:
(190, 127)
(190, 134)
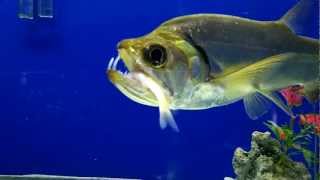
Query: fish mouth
(126, 80)
(140, 87)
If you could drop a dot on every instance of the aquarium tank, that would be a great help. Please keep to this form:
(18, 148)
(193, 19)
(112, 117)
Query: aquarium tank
(159, 90)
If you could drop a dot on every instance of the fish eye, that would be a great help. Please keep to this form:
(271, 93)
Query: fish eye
(156, 55)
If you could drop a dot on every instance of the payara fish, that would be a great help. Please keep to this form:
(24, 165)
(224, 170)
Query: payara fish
(202, 61)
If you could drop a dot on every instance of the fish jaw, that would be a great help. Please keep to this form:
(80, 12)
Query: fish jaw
(158, 97)
(130, 83)
(126, 81)
(140, 87)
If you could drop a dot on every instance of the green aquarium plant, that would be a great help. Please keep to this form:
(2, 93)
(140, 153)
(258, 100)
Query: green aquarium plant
(295, 141)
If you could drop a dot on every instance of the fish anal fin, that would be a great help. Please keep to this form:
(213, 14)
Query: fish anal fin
(300, 15)
(256, 105)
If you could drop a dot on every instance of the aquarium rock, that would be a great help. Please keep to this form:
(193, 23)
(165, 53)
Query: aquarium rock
(265, 161)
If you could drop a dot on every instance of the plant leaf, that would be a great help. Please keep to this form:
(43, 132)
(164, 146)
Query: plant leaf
(274, 128)
(308, 155)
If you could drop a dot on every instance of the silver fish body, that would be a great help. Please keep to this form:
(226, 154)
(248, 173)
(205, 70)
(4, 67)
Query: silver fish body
(208, 60)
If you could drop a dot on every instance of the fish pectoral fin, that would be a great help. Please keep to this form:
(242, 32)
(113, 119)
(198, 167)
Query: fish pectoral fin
(250, 78)
(253, 71)
(274, 97)
(256, 105)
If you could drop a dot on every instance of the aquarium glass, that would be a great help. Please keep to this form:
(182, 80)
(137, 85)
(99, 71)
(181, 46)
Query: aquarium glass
(159, 90)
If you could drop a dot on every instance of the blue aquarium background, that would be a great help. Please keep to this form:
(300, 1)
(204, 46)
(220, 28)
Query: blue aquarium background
(60, 115)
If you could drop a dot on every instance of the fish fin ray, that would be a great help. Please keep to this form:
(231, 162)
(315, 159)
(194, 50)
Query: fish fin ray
(250, 77)
(298, 16)
(256, 105)
(275, 98)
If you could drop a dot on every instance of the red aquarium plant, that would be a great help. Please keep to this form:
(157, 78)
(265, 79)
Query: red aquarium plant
(293, 95)
(311, 120)
(298, 141)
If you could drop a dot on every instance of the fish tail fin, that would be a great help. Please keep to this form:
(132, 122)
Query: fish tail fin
(300, 15)
(166, 118)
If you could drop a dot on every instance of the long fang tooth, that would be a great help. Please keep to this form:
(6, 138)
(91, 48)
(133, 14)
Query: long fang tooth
(116, 62)
(110, 63)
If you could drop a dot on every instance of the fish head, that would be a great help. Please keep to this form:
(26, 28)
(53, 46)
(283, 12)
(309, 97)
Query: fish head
(166, 58)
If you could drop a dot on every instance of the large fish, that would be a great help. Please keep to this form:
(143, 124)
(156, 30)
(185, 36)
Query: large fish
(208, 60)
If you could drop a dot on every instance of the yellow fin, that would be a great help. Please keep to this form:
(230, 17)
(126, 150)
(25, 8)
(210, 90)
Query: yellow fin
(252, 71)
(250, 76)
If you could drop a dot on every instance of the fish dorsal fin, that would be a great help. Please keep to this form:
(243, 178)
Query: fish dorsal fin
(256, 105)
(299, 17)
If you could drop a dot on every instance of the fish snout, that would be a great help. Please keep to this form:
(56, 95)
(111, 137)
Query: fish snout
(120, 45)
(124, 44)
